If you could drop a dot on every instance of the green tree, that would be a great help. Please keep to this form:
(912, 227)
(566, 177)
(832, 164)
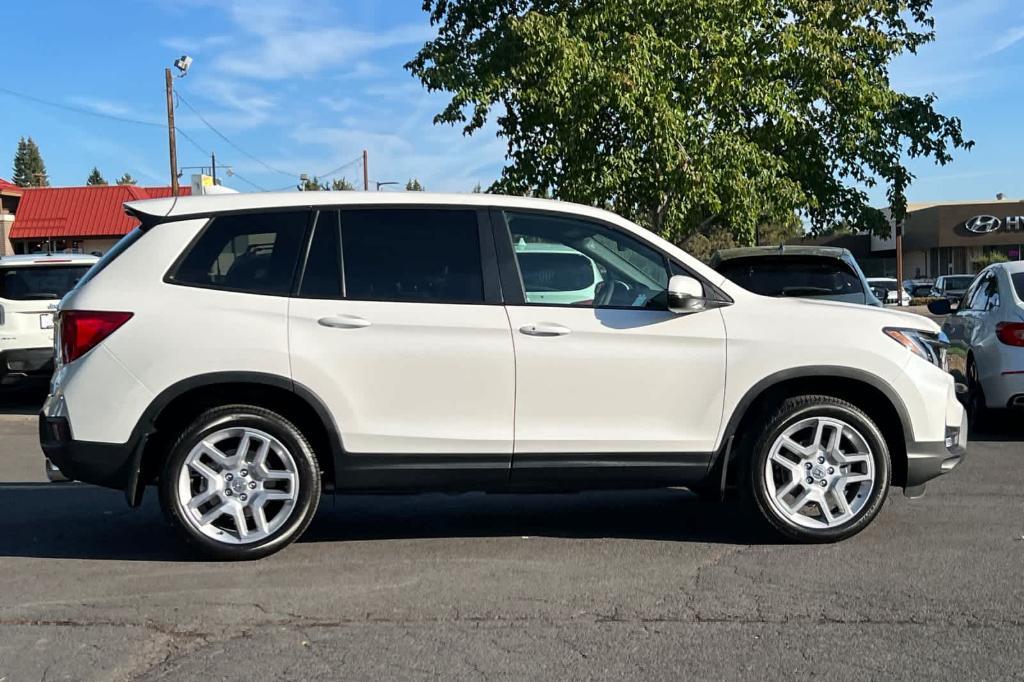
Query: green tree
(127, 179)
(29, 169)
(312, 185)
(414, 185)
(698, 115)
(478, 189)
(95, 178)
(342, 184)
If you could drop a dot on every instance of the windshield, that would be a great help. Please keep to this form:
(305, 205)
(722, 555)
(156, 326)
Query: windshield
(792, 276)
(957, 283)
(39, 282)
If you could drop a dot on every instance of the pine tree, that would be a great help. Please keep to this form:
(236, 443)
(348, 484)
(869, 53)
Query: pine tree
(29, 169)
(414, 186)
(127, 179)
(342, 184)
(95, 178)
(478, 189)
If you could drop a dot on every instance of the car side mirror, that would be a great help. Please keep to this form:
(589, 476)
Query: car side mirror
(940, 307)
(685, 295)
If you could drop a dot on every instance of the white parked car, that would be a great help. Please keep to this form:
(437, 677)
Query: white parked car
(30, 288)
(988, 328)
(887, 291)
(246, 352)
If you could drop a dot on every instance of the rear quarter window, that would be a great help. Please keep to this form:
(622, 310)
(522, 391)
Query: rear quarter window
(254, 253)
(1018, 284)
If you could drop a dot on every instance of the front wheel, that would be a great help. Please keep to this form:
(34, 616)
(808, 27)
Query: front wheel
(240, 483)
(820, 471)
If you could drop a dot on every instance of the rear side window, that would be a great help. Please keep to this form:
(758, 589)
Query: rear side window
(39, 282)
(252, 252)
(418, 255)
(792, 276)
(322, 275)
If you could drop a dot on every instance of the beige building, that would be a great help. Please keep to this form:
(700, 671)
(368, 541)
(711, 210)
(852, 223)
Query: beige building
(942, 238)
(10, 195)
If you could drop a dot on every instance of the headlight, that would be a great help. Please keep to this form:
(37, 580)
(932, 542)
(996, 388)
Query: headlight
(927, 346)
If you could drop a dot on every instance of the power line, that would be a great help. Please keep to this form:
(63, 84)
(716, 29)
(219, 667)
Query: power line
(79, 110)
(355, 162)
(230, 142)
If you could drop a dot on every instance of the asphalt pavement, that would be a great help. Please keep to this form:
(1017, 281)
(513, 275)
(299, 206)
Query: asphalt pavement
(601, 585)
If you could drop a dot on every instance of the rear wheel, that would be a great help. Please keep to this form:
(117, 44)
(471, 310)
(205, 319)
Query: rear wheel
(240, 483)
(977, 408)
(820, 472)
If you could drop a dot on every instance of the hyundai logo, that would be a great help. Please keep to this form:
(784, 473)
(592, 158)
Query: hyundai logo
(983, 224)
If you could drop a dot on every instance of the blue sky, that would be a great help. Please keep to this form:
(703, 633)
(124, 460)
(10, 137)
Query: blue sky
(304, 86)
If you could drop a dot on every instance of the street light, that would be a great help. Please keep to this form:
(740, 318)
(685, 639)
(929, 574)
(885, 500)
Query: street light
(390, 182)
(182, 63)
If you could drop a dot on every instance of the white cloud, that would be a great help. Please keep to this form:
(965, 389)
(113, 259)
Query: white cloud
(284, 53)
(1007, 40)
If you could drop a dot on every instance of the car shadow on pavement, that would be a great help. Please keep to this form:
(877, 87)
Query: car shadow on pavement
(22, 401)
(1004, 426)
(74, 521)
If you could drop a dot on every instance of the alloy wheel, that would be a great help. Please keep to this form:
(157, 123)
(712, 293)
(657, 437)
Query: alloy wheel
(820, 473)
(238, 485)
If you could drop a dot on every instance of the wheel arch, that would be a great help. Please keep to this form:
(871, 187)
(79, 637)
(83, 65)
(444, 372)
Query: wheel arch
(875, 397)
(179, 403)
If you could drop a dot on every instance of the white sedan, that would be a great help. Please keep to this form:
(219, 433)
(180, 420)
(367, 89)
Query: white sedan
(989, 329)
(887, 291)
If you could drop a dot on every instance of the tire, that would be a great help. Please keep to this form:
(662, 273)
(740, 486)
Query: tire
(816, 475)
(272, 487)
(978, 412)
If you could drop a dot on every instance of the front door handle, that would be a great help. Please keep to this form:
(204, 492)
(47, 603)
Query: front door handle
(344, 322)
(544, 329)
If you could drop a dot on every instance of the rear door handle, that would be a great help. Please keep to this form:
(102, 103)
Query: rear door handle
(344, 322)
(544, 329)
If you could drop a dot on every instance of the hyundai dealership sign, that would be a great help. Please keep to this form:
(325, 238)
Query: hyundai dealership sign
(987, 224)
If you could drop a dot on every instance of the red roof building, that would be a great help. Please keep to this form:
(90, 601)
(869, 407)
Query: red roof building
(89, 219)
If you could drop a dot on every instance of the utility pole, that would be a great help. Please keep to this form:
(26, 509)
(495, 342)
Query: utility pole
(366, 174)
(170, 132)
(213, 166)
(899, 263)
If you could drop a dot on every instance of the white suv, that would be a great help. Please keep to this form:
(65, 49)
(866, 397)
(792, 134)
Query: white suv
(247, 352)
(30, 289)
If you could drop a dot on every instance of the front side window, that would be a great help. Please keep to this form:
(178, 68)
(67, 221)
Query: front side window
(792, 276)
(565, 261)
(251, 252)
(415, 255)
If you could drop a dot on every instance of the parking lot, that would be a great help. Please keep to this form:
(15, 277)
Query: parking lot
(613, 585)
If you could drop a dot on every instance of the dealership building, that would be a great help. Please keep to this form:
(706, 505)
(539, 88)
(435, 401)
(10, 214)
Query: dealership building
(947, 238)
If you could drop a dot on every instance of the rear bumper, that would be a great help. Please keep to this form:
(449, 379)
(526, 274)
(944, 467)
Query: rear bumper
(930, 459)
(25, 366)
(106, 464)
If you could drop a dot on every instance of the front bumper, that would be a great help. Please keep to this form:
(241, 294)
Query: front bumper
(107, 464)
(25, 366)
(930, 459)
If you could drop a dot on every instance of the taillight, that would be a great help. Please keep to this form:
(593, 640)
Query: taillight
(1011, 333)
(83, 330)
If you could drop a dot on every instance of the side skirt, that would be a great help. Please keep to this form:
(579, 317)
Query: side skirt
(530, 473)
